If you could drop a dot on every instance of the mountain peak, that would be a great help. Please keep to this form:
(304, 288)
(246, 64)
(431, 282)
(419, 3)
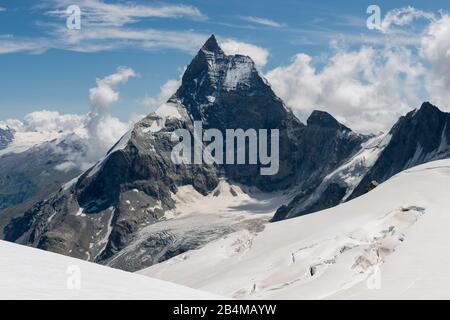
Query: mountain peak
(212, 74)
(325, 120)
(425, 113)
(427, 107)
(211, 45)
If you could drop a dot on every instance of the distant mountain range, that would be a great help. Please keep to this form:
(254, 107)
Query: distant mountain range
(135, 207)
(6, 136)
(29, 169)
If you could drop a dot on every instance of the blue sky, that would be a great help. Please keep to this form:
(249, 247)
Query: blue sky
(44, 69)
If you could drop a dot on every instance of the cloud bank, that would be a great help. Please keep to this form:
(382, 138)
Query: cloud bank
(435, 48)
(368, 88)
(91, 134)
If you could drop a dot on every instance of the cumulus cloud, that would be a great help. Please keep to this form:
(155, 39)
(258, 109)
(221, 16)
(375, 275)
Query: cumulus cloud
(404, 16)
(258, 54)
(45, 121)
(165, 92)
(366, 89)
(87, 137)
(104, 93)
(46, 126)
(435, 48)
(14, 124)
(370, 87)
(108, 131)
(103, 129)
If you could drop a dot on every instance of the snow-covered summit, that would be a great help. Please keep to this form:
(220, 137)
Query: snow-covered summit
(213, 70)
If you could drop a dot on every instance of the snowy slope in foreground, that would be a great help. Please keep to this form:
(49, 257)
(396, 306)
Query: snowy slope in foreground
(27, 273)
(390, 243)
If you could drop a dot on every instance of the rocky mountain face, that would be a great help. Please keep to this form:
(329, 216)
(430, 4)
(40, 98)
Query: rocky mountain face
(6, 137)
(227, 92)
(102, 215)
(419, 137)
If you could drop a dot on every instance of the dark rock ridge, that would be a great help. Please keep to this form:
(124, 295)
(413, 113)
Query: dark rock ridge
(101, 213)
(325, 120)
(421, 136)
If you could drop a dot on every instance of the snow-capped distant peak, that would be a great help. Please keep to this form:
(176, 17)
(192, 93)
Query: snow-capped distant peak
(6, 136)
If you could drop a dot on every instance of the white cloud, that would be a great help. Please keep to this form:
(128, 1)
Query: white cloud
(263, 21)
(165, 92)
(2, 9)
(258, 54)
(104, 93)
(45, 120)
(97, 131)
(110, 38)
(404, 16)
(109, 130)
(97, 39)
(367, 89)
(9, 44)
(100, 13)
(370, 87)
(100, 33)
(12, 124)
(435, 48)
(104, 28)
(103, 129)
(66, 166)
